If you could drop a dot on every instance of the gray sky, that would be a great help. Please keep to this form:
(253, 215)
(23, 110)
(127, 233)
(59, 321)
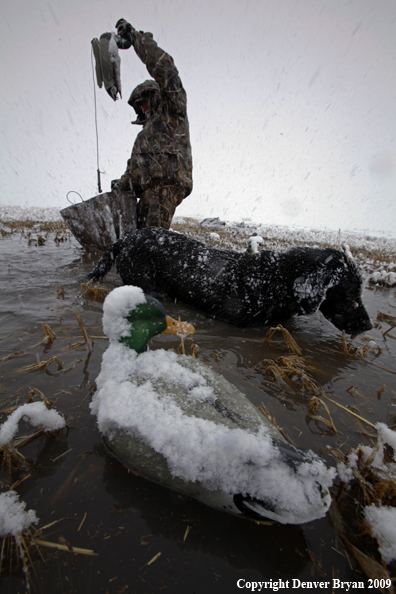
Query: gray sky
(291, 105)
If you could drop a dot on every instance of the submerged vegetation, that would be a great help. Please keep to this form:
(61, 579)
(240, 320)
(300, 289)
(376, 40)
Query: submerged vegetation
(21, 542)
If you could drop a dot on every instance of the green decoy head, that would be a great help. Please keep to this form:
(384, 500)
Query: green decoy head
(132, 318)
(149, 319)
(146, 320)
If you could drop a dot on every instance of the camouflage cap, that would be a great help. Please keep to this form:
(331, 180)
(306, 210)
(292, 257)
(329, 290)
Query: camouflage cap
(148, 87)
(120, 22)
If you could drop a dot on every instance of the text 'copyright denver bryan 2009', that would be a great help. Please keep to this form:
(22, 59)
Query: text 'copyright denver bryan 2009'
(335, 584)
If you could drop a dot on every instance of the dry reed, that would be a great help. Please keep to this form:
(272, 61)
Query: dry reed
(291, 343)
(96, 292)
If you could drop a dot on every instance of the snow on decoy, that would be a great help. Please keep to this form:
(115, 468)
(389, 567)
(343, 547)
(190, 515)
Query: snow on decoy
(174, 420)
(253, 242)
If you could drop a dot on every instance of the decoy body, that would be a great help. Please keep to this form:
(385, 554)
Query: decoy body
(174, 420)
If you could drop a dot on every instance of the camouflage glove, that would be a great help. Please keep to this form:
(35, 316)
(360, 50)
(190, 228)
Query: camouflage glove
(115, 185)
(124, 34)
(120, 185)
(123, 28)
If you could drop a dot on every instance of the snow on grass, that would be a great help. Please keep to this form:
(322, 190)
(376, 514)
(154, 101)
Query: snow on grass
(37, 414)
(31, 213)
(375, 467)
(382, 522)
(13, 517)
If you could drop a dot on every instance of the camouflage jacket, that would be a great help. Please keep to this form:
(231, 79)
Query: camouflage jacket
(161, 154)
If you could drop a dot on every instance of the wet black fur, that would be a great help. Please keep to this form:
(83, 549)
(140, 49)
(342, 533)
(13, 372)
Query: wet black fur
(239, 288)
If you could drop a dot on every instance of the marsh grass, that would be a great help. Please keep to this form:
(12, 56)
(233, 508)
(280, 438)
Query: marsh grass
(235, 237)
(231, 237)
(12, 458)
(40, 227)
(97, 292)
(15, 550)
(42, 365)
(370, 484)
(291, 343)
(353, 351)
(264, 411)
(194, 348)
(25, 547)
(388, 319)
(88, 341)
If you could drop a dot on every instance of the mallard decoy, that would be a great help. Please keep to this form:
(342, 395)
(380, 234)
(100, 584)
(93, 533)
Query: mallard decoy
(174, 420)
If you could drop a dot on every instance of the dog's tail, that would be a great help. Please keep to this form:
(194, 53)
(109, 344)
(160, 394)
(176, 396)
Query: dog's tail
(106, 262)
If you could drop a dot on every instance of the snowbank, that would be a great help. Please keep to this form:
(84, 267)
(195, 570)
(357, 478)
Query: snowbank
(386, 278)
(300, 236)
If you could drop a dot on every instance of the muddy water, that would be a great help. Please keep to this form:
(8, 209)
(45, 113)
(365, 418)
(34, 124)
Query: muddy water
(129, 521)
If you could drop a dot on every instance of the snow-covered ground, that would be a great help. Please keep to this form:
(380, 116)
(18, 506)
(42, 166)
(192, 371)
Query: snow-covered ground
(31, 213)
(375, 255)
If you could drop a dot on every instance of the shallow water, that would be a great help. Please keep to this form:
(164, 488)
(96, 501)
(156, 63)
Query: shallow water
(128, 520)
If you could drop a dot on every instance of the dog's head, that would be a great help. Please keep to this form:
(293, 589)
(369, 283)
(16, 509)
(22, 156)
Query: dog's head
(345, 312)
(343, 305)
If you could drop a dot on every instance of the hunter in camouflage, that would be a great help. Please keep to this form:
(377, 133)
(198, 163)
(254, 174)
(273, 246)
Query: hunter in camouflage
(160, 168)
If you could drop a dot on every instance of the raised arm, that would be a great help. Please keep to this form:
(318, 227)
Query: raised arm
(159, 63)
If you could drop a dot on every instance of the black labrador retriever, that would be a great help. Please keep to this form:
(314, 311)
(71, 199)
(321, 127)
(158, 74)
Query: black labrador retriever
(240, 288)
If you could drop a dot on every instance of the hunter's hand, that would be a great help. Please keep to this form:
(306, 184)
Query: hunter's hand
(123, 27)
(116, 185)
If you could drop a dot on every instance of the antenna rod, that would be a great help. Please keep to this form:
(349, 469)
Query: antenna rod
(96, 124)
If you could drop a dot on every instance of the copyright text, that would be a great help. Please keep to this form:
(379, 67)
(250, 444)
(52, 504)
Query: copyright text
(335, 584)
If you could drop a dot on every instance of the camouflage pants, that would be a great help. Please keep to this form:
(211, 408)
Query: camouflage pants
(157, 206)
